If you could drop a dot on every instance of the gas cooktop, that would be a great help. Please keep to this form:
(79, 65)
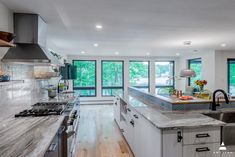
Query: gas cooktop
(44, 109)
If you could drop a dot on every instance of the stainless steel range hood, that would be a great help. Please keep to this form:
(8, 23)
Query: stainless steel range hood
(30, 41)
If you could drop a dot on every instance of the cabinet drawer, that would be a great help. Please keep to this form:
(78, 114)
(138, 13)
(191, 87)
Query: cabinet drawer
(201, 135)
(202, 150)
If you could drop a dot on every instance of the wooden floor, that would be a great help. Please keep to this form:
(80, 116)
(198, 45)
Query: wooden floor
(99, 135)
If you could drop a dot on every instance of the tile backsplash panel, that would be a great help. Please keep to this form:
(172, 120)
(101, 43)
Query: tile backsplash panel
(24, 72)
(18, 71)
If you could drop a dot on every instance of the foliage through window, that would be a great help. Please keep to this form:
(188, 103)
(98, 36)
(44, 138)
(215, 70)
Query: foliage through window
(196, 65)
(231, 76)
(112, 77)
(86, 77)
(164, 77)
(139, 74)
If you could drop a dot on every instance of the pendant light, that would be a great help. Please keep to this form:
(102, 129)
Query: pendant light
(187, 73)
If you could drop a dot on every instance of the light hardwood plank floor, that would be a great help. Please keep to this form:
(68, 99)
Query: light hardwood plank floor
(99, 135)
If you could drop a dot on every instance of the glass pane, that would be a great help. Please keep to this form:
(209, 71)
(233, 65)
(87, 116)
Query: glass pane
(196, 65)
(139, 73)
(112, 73)
(86, 77)
(86, 74)
(111, 92)
(86, 92)
(232, 78)
(163, 91)
(164, 72)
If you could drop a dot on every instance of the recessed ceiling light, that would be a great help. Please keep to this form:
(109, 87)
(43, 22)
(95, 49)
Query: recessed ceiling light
(96, 45)
(187, 43)
(223, 45)
(83, 52)
(116, 53)
(98, 26)
(177, 54)
(147, 53)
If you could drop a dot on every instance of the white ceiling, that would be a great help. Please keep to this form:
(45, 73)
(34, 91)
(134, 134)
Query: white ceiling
(135, 27)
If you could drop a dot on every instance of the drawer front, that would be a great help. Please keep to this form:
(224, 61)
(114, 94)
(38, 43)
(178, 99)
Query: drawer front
(201, 135)
(202, 150)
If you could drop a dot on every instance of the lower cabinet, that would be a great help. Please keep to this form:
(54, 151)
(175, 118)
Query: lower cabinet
(143, 138)
(116, 107)
(146, 140)
(202, 150)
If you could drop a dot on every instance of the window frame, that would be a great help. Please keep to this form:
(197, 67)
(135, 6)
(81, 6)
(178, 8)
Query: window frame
(228, 73)
(167, 86)
(88, 88)
(141, 87)
(111, 87)
(189, 62)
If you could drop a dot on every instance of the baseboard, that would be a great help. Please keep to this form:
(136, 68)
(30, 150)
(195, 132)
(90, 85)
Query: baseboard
(96, 101)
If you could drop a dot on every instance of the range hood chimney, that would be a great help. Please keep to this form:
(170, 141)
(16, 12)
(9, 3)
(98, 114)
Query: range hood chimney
(30, 41)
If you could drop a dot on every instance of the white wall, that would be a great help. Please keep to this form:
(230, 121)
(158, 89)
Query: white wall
(6, 23)
(214, 68)
(221, 68)
(208, 66)
(126, 68)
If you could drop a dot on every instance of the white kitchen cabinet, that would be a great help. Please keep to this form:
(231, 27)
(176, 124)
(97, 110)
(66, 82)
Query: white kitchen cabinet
(172, 143)
(139, 138)
(202, 150)
(116, 106)
(130, 131)
(201, 135)
(146, 140)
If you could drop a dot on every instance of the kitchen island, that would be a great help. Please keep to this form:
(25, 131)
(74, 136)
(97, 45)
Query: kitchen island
(172, 103)
(27, 136)
(152, 130)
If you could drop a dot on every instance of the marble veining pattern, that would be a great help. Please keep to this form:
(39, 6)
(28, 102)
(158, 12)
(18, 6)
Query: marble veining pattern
(168, 119)
(29, 136)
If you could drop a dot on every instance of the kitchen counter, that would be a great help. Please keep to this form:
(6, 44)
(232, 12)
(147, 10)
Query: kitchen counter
(168, 119)
(29, 136)
(174, 100)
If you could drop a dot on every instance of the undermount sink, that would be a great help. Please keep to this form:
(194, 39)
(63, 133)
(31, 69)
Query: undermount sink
(228, 131)
(227, 117)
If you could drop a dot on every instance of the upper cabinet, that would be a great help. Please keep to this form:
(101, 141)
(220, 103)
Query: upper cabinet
(6, 39)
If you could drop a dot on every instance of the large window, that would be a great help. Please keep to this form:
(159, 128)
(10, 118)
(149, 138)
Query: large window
(139, 74)
(86, 77)
(164, 75)
(231, 76)
(112, 77)
(196, 65)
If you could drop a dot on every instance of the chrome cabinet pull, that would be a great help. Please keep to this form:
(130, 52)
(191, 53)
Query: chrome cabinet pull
(202, 135)
(52, 147)
(203, 149)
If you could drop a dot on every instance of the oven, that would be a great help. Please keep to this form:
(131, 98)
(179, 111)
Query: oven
(72, 128)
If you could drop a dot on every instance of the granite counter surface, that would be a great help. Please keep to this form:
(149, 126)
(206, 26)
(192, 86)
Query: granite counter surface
(168, 119)
(29, 136)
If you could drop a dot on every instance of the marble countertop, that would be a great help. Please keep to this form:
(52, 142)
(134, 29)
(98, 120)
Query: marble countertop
(26, 136)
(169, 119)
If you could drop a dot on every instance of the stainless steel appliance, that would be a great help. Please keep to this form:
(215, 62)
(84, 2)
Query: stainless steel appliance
(31, 33)
(64, 142)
